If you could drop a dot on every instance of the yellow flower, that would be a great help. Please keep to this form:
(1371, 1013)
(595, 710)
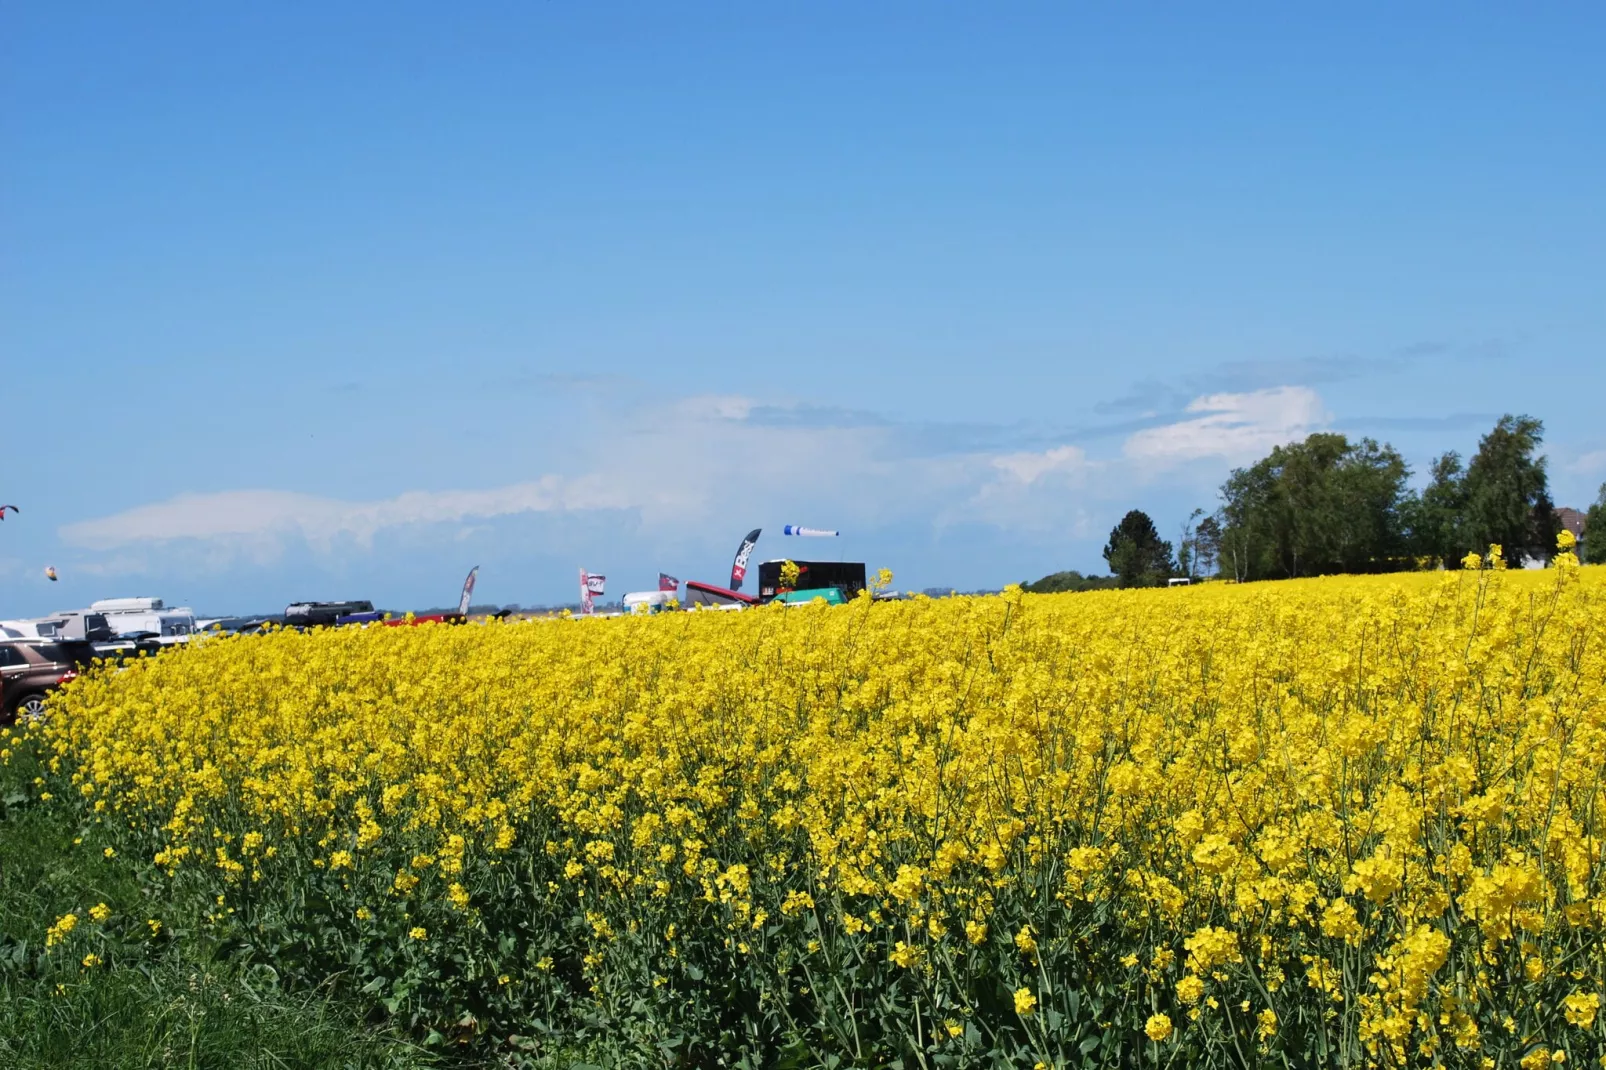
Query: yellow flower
(418, 932)
(1025, 1002)
(91, 960)
(1158, 1027)
(58, 932)
(1211, 946)
(100, 912)
(797, 902)
(1267, 1027)
(1297, 784)
(1581, 1008)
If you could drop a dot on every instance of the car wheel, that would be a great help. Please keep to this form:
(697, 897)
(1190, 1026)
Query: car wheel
(31, 707)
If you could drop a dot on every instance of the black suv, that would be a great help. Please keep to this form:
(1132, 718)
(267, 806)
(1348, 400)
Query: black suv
(29, 669)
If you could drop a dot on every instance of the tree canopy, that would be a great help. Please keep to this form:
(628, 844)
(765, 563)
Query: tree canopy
(1595, 531)
(1137, 556)
(1329, 505)
(1501, 496)
(1507, 494)
(1314, 507)
(1069, 581)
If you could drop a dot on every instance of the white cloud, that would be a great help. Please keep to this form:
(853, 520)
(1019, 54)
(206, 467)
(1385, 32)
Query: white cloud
(1030, 467)
(679, 463)
(1588, 464)
(715, 406)
(674, 463)
(1234, 426)
(252, 515)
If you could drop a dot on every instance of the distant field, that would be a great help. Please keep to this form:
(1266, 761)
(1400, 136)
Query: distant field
(1349, 821)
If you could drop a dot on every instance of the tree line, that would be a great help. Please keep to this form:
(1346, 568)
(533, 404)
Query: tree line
(1329, 505)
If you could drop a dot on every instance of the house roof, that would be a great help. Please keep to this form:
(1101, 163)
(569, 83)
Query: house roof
(1571, 519)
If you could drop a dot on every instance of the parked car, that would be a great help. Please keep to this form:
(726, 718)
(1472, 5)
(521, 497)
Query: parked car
(30, 669)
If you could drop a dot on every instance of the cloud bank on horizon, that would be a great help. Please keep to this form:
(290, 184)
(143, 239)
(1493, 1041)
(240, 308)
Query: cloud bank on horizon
(708, 455)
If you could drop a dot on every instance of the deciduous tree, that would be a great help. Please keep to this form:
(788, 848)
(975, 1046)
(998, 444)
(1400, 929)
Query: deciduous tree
(1595, 531)
(1313, 507)
(1507, 492)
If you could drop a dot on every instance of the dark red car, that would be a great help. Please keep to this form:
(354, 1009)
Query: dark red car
(30, 669)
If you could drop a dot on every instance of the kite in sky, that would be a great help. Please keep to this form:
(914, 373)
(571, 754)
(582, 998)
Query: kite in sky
(3, 509)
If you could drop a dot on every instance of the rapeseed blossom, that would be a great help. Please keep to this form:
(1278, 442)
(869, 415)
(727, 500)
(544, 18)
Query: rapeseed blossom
(59, 931)
(1358, 815)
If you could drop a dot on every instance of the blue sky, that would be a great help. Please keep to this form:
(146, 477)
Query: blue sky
(338, 300)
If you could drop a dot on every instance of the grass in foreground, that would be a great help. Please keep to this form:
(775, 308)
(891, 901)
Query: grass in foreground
(147, 1002)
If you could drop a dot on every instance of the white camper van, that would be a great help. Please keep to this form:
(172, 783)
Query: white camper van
(68, 624)
(133, 617)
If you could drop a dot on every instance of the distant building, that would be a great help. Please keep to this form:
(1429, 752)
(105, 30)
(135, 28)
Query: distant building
(1573, 521)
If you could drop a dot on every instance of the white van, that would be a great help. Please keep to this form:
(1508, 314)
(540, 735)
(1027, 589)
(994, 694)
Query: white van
(133, 617)
(648, 601)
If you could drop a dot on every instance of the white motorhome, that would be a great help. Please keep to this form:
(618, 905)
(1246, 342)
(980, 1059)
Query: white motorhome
(133, 617)
(67, 624)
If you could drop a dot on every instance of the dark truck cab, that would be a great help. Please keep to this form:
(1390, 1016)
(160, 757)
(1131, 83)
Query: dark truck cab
(323, 614)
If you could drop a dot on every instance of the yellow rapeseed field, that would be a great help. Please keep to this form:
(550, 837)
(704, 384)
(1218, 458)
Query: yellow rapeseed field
(1347, 821)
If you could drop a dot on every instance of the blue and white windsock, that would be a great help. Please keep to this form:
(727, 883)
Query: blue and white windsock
(793, 529)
